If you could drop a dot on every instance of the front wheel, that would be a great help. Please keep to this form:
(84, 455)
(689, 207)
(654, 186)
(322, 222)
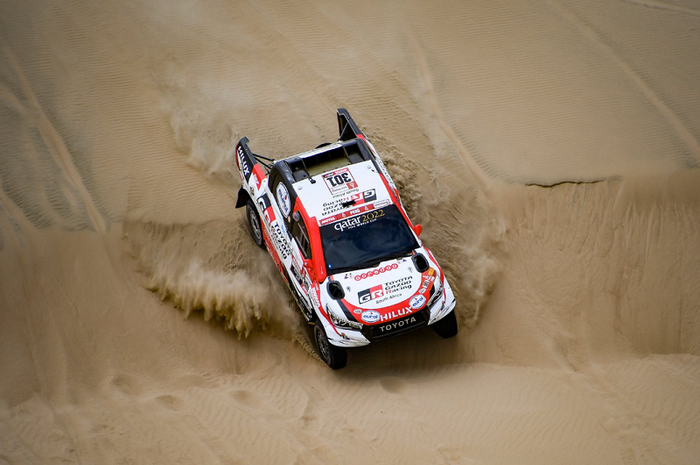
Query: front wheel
(334, 357)
(254, 223)
(447, 327)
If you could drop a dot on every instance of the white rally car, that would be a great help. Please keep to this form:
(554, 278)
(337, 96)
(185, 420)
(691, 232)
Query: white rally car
(333, 222)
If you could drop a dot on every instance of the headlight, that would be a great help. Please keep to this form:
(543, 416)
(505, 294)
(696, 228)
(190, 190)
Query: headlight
(341, 322)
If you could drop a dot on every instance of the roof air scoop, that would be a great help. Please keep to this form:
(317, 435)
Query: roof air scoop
(421, 262)
(335, 290)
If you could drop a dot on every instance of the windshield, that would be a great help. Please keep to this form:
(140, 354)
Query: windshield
(365, 240)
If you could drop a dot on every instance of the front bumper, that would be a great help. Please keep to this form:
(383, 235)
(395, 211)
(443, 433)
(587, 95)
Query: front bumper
(341, 337)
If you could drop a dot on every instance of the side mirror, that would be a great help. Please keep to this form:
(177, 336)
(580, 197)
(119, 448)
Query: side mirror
(418, 229)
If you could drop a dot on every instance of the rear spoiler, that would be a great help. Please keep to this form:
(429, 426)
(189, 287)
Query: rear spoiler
(347, 127)
(247, 162)
(243, 153)
(253, 157)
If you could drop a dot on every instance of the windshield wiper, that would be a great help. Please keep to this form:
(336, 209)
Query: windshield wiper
(377, 261)
(396, 255)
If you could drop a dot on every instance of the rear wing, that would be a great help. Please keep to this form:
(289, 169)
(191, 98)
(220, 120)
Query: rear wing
(245, 157)
(347, 127)
(348, 130)
(248, 164)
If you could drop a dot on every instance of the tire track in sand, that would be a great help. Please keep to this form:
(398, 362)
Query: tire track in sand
(14, 216)
(56, 145)
(663, 6)
(601, 42)
(427, 80)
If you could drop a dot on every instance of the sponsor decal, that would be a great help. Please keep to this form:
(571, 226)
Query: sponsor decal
(398, 324)
(314, 298)
(340, 181)
(243, 162)
(398, 285)
(387, 297)
(283, 199)
(344, 194)
(417, 301)
(259, 175)
(280, 242)
(359, 220)
(347, 214)
(396, 313)
(346, 201)
(370, 316)
(357, 311)
(382, 203)
(376, 271)
(369, 195)
(427, 280)
(384, 292)
(268, 213)
(373, 293)
(332, 206)
(264, 202)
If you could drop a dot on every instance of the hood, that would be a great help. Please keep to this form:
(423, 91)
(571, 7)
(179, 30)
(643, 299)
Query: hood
(392, 289)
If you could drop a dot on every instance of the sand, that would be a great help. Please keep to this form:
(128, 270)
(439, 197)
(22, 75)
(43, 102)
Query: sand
(549, 149)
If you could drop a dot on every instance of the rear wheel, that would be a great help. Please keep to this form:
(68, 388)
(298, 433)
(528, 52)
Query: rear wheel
(447, 327)
(254, 223)
(334, 357)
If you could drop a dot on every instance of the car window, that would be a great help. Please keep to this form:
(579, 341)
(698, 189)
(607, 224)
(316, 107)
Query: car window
(367, 239)
(301, 236)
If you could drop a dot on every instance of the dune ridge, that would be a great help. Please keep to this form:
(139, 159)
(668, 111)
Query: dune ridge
(549, 149)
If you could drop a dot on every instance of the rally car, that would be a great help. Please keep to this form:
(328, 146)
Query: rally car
(333, 222)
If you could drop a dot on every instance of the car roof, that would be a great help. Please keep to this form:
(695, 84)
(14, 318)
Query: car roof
(335, 180)
(327, 157)
(343, 192)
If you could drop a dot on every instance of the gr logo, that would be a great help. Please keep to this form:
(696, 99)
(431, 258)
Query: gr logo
(372, 293)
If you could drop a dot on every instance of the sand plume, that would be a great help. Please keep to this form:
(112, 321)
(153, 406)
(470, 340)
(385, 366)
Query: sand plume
(549, 149)
(214, 268)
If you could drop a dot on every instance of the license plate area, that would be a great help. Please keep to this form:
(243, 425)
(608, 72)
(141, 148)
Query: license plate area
(395, 327)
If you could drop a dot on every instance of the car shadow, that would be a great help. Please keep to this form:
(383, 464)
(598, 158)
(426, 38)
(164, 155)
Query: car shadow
(416, 352)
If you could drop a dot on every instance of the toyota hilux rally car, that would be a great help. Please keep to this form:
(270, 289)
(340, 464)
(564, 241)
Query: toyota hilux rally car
(333, 222)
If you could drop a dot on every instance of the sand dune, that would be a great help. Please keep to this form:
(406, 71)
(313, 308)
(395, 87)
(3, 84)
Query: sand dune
(549, 149)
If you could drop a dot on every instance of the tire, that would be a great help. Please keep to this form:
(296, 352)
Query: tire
(254, 224)
(334, 357)
(447, 327)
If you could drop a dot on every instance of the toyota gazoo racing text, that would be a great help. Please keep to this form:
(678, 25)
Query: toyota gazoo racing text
(333, 222)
